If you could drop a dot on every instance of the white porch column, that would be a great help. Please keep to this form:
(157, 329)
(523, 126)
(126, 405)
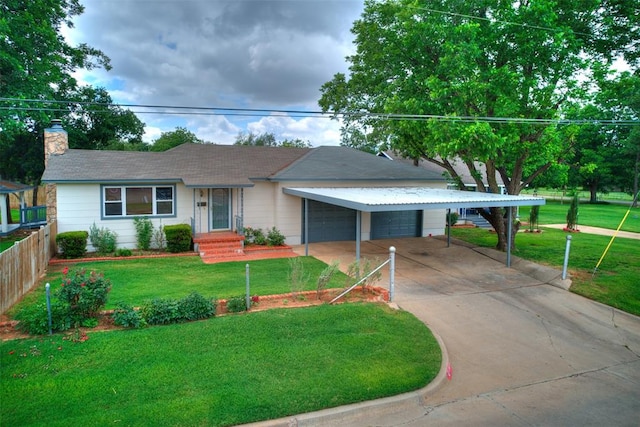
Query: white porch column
(5, 214)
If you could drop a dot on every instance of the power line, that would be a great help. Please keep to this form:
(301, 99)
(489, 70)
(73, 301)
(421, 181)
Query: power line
(256, 112)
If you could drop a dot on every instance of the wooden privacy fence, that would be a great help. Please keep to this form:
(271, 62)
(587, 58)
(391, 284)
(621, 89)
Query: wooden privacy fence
(24, 263)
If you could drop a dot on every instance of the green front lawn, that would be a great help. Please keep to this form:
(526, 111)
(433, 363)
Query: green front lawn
(616, 281)
(136, 280)
(222, 371)
(599, 215)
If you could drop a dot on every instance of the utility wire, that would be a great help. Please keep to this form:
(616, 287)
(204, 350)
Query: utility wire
(255, 112)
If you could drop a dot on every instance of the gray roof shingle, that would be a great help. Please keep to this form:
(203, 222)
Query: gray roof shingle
(209, 165)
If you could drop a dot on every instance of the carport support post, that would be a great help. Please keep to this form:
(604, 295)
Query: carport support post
(392, 272)
(358, 225)
(449, 227)
(306, 226)
(509, 227)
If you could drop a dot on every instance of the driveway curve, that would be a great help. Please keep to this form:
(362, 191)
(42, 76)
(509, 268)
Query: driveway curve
(522, 350)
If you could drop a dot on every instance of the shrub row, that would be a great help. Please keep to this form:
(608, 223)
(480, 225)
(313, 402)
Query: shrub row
(255, 236)
(73, 244)
(164, 311)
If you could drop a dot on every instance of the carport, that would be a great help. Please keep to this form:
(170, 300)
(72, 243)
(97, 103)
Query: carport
(388, 199)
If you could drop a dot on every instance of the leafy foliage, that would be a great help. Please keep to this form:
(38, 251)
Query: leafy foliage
(73, 244)
(275, 237)
(144, 232)
(179, 136)
(572, 213)
(268, 140)
(34, 319)
(467, 74)
(126, 316)
(102, 239)
(178, 237)
(325, 277)
(298, 278)
(237, 304)
(86, 294)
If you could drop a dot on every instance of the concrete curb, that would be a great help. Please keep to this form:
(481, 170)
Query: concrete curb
(350, 414)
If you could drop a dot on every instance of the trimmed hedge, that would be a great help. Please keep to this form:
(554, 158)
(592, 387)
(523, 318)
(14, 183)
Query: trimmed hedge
(72, 244)
(178, 237)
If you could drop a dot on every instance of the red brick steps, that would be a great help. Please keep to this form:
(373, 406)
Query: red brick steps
(228, 246)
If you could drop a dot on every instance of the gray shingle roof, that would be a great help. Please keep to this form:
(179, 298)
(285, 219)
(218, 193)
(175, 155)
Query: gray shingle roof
(209, 165)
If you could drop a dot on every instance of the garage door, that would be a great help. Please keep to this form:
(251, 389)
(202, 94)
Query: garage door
(396, 224)
(330, 223)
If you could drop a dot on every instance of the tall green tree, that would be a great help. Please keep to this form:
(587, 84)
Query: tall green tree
(168, 140)
(36, 65)
(459, 68)
(95, 123)
(621, 96)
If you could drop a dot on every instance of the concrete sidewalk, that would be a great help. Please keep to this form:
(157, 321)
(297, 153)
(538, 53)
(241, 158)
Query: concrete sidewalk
(523, 351)
(597, 230)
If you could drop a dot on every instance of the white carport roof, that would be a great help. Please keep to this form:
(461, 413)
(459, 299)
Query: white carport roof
(378, 199)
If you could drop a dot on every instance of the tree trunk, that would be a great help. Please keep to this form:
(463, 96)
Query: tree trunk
(593, 192)
(499, 220)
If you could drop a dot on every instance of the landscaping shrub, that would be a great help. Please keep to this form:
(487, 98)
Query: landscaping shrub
(126, 316)
(178, 237)
(163, 311)
(160, 311)
(325, 277)
(194, 306)
(275, 237)
(254, 236)
(85, 294)
(33, 319)
(236, 304)
(144, 232)
(123, 252)
(452, 218)
(102, 239)
(72, 244)
(362, 268)
(297, 276)
(159, 241)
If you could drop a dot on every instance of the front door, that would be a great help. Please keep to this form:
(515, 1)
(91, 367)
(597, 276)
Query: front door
(220, 209)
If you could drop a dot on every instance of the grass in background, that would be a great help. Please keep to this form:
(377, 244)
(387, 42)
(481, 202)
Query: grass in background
(615, 283)
(599, 215)
(616, 196)
(222, 371)
(136, 280)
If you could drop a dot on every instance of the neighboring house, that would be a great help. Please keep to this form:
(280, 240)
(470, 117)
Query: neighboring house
(461, 169)
(228, 187)
(30, 217)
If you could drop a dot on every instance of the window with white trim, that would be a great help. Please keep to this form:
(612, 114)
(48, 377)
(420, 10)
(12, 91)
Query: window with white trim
(121, 201)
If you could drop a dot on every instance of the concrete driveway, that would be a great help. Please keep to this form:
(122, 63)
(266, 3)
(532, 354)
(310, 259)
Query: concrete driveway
(522, 350)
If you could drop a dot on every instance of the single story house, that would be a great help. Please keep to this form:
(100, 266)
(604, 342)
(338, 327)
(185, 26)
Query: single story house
(228, 187)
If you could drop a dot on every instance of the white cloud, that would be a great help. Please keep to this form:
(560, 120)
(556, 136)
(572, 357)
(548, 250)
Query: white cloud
(265, 54)
(317, 131)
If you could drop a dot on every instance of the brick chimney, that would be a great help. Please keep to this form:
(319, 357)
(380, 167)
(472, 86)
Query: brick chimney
(56, 142)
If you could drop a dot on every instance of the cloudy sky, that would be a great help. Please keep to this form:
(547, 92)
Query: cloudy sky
(258, 54)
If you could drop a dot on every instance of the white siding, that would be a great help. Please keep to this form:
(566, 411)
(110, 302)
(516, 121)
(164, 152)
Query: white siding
(79, 208)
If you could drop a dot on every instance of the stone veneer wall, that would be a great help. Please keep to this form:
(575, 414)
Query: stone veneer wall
(56, 141)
